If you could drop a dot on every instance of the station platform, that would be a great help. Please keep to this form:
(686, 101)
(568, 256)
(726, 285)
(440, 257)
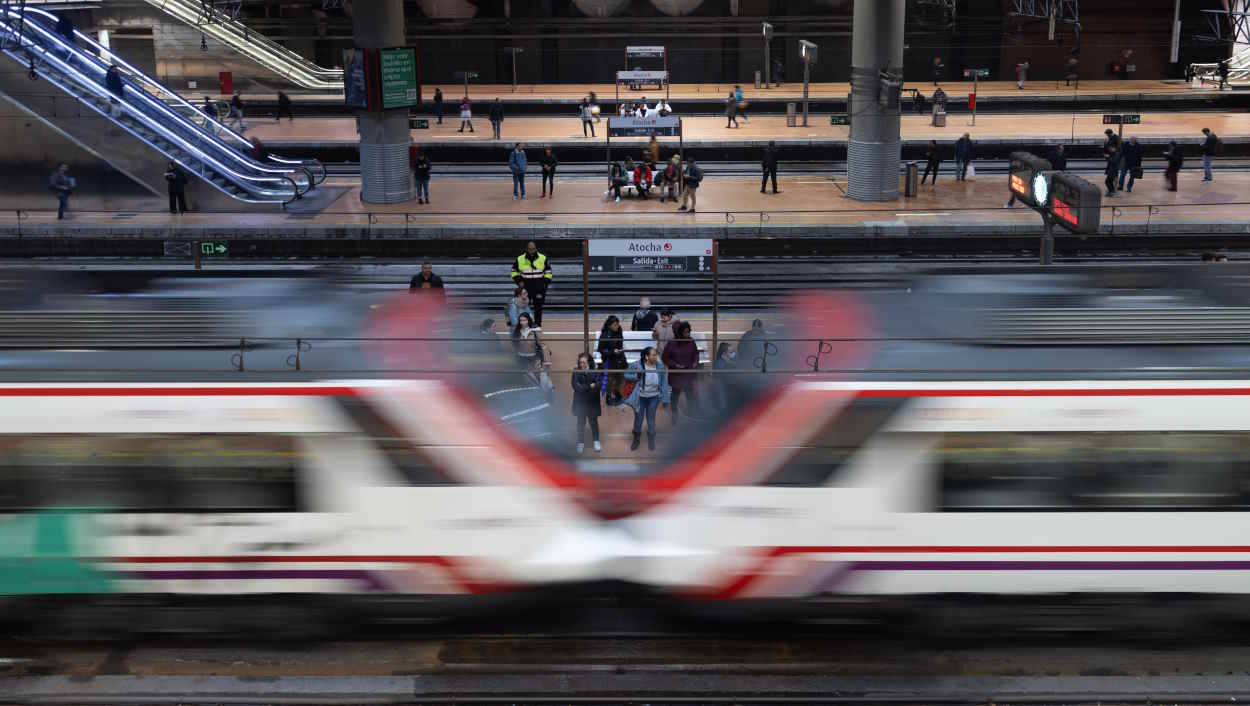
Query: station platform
(1234, 128)
(728, 208)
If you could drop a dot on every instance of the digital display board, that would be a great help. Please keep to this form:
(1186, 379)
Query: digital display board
(1129, 119)
(1024, 167)
(1075, 203)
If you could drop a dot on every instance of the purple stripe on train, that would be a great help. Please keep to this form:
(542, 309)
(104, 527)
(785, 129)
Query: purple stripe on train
(370, 579)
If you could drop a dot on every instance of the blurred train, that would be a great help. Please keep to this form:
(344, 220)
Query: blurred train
(1074, 431)
(1060, 434)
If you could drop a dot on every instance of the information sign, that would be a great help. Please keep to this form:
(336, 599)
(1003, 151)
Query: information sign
(398, 77)
(976, 73)
(629, 255)
(641, 76)
(1130, 119)
(839, 120)
(418, 124)
(664, 126)
(644, 52)
(218, 247)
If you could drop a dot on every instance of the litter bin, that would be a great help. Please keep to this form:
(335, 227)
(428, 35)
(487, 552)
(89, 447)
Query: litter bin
(911, 175)
(758, 78)
(792, 110)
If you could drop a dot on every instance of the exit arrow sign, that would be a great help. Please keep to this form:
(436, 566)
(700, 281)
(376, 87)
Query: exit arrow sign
(214, 248)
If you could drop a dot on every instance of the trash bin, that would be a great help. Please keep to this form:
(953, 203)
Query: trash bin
(911, 175)
(792, 110)
(758, 78)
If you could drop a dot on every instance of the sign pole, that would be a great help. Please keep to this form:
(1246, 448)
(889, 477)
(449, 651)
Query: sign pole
(806, 76)
(975, 77)
(1047, 252)
(586, 296)
(715, 298)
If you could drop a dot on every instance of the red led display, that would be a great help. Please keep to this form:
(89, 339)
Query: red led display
(1063, 211)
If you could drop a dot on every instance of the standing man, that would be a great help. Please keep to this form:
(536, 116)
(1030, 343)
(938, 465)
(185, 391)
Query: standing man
(1022, 73)
(1130, 163)
(1175, 159)
(769, 165)
(516, 165)
(421, 175)
(1210, 146)
(1058, 160)
(1223, 69)
(588, 117)
(644, 318)
(62, 184)
(939, 70)
(284, 108)
(496, 117)
(549, 164)
(963, 155)
(694, 177)
(438, 105)
(532, 271)
(425, 279)
(1112, 169)
(177, 182)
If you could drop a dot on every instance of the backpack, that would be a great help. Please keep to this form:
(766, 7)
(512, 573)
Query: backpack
(1219, 145)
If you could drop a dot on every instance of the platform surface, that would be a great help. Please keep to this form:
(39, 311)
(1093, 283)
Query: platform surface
(809, 206)
(606, 92)
(1185, 127)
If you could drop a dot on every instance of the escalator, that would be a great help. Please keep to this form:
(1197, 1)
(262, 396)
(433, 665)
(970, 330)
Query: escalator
(264, 51)
(146, 126)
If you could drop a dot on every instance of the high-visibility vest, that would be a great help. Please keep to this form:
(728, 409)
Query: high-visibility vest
(532, 271)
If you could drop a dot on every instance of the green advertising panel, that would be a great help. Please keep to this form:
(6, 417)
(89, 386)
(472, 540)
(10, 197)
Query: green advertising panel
(399, 77)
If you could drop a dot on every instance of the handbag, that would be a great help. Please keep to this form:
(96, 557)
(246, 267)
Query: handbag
(627, 389)
(972, 170)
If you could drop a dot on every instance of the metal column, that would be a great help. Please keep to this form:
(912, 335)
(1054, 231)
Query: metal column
(873, 153)
(384, 138)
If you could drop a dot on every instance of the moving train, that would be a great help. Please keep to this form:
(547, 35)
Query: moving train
(1069, 431)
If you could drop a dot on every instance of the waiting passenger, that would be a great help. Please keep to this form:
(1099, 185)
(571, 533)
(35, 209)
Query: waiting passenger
(586, 406)
(642, 179)
(549, 164)
(644, 318)
(517, 165)
(284, 108)
(768, 166)
(724, 357)
(1130, 163)
(742, 104)
(1022, 73)
(682, 354)
(176, 180)
(662, 332)
(616, 179)
(588, 117)
(663, 108)
(611, 349)
(651, 389)
(466, 114)
(753, 347)
(527, 339)
(933, 162)
(62, 184)
(517, 305)
(731, 111)
(669, 180)
(694, 177)
(963, 156)
(1111, 169)
(425, 279)
(652, 152)
(496, 117)
(235, 116)
(1176, 159)
(438, 106)
(421, 175)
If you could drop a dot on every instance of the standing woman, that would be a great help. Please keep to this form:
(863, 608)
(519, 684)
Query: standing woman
(586, 402)
(525, 336)
(612, 350)
(934, 161)
(650, 391)
(731, 111)
(682, 354)
(466, 114)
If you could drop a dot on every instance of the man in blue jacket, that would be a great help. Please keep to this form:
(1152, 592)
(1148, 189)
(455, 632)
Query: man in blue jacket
(516, 165)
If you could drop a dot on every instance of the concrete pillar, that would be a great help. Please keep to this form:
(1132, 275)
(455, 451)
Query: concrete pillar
(873, 155)
(384, 137)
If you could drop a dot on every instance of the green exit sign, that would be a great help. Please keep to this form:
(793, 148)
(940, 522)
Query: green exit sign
(418, 124)
(1132, 119)
(976, 73)
(839, 120)
(214, 248)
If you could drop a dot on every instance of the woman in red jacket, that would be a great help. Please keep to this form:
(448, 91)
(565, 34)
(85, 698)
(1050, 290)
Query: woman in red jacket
(680, 355)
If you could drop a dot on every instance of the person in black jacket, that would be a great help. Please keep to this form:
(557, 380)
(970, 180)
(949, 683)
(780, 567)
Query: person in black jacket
(421, 174)
(235, 116)
(769, 166)
(694, 177)
(1130, 163)
(586, 402)
(1210, 145)
(644, 319)
(1111, 170)
(496, 117)
(113, 82)
(177, 182)
(963, 155)
(284, 108)
(612, 351)
(932, 163)
(438, 105)
(1058, 160)
(425, 279)
(1176, 159)
(549, 164)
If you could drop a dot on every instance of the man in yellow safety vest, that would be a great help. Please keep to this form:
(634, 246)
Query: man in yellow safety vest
(532, 271)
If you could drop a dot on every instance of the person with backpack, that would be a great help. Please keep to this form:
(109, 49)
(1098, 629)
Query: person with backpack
(1210, 147)
(694, 177)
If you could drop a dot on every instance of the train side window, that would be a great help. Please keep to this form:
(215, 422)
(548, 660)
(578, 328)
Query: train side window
(1092, 471)
(815, 464)
(149, 473)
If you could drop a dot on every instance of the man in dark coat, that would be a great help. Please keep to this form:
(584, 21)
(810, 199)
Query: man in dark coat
(963, 155)
(769, 166)
(425, 279)
(176, 179)
(1130, 163)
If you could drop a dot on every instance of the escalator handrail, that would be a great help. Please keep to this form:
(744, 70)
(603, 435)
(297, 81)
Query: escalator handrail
(155, 124)
(256, 185)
